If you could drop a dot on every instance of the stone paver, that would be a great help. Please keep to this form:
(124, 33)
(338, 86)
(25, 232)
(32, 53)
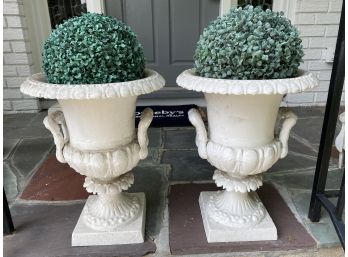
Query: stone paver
(9, 145)
(26, 132)
(293, 161)
(322, 252)
(153, 180)
(45, 231)
(155, 137)
(29, 153)
(304, 179)
(179, 138)
(300, 146)
(10, 182)
(37, 120)
(307, 112)
(18, 120)
(322, 231)
(309, 129)
(153, 158)
(187, 165)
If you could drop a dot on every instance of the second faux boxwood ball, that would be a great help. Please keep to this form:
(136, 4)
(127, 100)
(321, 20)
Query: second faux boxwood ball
(92, 49)
(249, 43)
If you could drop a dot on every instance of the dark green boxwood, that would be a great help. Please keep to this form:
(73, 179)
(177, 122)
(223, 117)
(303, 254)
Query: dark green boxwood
(249, 43)
(92, 49)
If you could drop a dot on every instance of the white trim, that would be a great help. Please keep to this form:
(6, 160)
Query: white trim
(96, 6)
(286, 6)
(39, 27)
(226, 5)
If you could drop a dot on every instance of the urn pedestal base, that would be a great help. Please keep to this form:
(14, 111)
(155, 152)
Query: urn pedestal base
(216, 232)
(129, 233)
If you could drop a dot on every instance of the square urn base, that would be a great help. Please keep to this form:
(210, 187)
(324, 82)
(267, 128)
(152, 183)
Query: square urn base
(215, 232)
(130, 233)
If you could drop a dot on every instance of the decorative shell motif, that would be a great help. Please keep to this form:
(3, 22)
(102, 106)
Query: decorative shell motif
(37, 86)
(305, 81)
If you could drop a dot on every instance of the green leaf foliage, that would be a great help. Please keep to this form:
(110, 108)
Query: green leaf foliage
(92, 49)
(249, 43)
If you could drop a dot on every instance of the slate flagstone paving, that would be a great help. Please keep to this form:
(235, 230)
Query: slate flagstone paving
(173, 159)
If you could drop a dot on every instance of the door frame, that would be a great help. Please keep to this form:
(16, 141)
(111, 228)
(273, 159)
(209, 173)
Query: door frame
(287, 6)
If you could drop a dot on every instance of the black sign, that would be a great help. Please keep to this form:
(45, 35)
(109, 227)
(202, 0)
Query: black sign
(167, 116)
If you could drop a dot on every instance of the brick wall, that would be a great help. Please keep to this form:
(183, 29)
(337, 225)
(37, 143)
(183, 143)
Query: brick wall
(17, 60)
(317, 21)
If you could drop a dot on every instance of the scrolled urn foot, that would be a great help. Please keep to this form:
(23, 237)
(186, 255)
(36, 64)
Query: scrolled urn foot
(107, 212)
(111, 208)
(235, 206)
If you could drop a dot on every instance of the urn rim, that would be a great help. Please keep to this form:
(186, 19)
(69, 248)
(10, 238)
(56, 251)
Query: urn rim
(36, 85)
(191, 81)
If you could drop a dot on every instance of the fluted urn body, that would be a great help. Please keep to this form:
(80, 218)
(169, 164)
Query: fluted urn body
(94, 132)
(247, 133)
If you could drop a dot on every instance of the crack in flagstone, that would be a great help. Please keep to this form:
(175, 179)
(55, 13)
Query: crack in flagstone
(303, 141)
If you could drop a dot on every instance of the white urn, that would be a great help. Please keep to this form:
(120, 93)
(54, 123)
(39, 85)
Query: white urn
(94, 132)
(242, 142)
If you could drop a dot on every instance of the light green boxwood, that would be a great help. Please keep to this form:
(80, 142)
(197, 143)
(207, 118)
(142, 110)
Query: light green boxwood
(249, 43)
(92, 49)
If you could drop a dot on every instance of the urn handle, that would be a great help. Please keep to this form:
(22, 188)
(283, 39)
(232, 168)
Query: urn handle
(143, 140)
(201, 133)
(289, 120)
(55, 122)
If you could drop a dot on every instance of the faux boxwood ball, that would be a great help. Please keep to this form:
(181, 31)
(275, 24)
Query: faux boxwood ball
(249, 43)
(92, 49)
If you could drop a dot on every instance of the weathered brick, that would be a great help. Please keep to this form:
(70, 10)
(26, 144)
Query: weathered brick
(300, 98)
(312, 54)
(320, 42)
(327, 18)
(11, 8)
(12, 93)
(10, 70)
(335, 6)
(14, 34)
(19, 105)
(14, 81)
(319, 65)
(27, 96)
(7, 47)
(323, 86)
(14, 21)
(324, 75)
(305, 18)
(331, 31)
(313, 6)
(20, 46)
(4, 25)
(7, 105)
(24, 70)
(312, 30)
(321, 97)
(14, 58)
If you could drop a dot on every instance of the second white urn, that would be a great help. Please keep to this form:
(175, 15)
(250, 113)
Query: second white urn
(247, 134)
